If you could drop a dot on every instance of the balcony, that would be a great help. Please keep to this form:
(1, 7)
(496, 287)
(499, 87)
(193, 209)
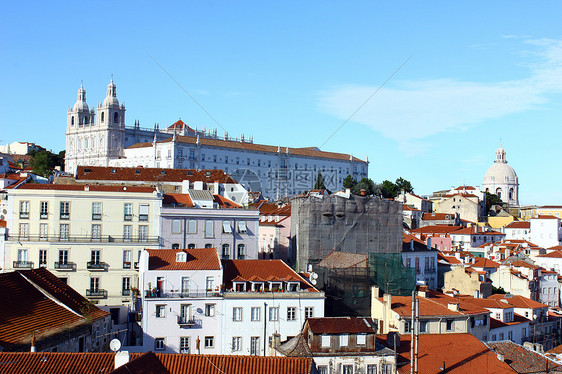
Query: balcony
(125, 292)
(126, 265)
(95, 265)
(24, 215)
(23, 265)
(180, 294)
(189, 322)
(143, 217)
(128, 217)
(96, 294)
(83, 238)
(43, 215)
(96, 216)
(65, 266)
(65, 216)
(429, 271)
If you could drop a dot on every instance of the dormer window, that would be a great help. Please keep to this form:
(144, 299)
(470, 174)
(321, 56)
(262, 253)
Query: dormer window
(293, 286)
(181, 257)
(257, 286)
(275, 286)
(239, 286)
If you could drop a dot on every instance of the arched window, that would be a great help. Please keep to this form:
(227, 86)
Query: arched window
(86, 120)
(191, 246)
(72, 121)
(208, 245)
(240, 254)
(175, 246)
(102, 116)
(116, 117)
(511, 194)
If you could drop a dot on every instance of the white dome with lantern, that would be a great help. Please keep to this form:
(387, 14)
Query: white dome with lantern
(501, 180)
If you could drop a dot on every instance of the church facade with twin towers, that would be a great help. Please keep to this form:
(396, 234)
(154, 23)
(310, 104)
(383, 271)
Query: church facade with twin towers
(100, 137)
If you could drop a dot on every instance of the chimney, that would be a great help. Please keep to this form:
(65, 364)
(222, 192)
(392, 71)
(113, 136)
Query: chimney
(121, 358)
(453, 306)
(33, 342)
(363, 192)
(457, 255)
(276, 341)
(500, 357)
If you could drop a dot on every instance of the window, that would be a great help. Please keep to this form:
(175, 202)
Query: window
(191, 246)
(185, 313)
(372, 369)
(236, 343)
(176, 226)
(501, 335)
(94, 284)
(24, 209)
(184, 286)
(184, 344)
(510, 335)
(96, 211)
(143, 212)
(237, 314)
(63, 256)
(242, 227)
(126, 286)
(95, 255)
(160, 311)
(209, 341)
(143, 233)
(209, 229)
(240, 254)
(325, 342)
(208, 245)
(386, 369)
(423, 326)
(256, 313)
(254, 345)
(64, 231)
(274, 313)
(116, 117)
(344, 340)
(308, 312)
(323, 369)
(226, 228)
(126, 259)
(42, 257)
(128, 212)
(127, 232)
(96, 232)
(291, 313)
(43, 231)
(22, 256)
(449, 324)
(64, 210)
(159, 344)
(210, 310)
(361, 339)
(225, 251)
(192, 226)
(177, 246)
(24, 231)
(347, 369)
(44, 212)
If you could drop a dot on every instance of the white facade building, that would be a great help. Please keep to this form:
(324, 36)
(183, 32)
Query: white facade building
(103, 139)
(546, 231)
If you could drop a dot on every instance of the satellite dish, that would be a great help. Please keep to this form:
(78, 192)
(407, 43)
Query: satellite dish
(115, 345)
(313, 281)
(314, 276)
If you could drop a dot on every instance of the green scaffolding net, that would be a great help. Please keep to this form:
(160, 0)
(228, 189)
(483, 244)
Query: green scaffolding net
(389, 273)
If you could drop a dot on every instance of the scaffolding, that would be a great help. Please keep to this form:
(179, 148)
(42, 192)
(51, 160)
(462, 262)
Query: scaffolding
(390, 274)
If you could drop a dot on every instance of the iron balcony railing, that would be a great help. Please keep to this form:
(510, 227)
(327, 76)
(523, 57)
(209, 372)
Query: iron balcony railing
(96, 265)
(189, 321)
(126, 265)
(84, 239)
(180, 294)
(23, 264)
(68, 266)
(97, 294)
(125, 292)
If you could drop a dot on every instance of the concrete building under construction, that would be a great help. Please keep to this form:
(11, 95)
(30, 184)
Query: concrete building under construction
(343, 222)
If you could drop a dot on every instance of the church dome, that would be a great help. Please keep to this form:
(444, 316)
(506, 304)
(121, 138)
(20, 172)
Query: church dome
(500, 173)
(80, 104)
(111, 97)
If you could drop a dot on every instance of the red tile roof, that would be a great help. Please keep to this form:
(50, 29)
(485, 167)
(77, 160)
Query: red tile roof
(460, 353)
(181, 199)
(305, 151)
(465, 188)
(341, 325)
(545, 217)
(519, 301)
(60, 363)
(25, 308)
(436, 229)
(519, 225)
(77, 187)
(266, 270)
(524, 360)
(481, 262)
(437, 216)
(197, 259)
(223, 202)
(553, 254)
(517, 319)
(436, 304)
(102, 173)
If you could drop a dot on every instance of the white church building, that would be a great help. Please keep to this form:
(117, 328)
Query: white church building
(501, 180)
(101, 138)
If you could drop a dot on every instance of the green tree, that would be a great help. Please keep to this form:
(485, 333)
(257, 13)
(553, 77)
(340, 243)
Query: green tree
(366, 184)
(492, 199)
(42, 163)
(404, 185)
(389, 189)
(319, 185)
(349, 182)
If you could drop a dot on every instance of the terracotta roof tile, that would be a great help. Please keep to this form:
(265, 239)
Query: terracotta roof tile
(553, 254)
(519, 225)
(436, 229)
(182, 199)
(523, 360)
(437, 216)
(518, 301)
(341, 325)
(197, 259)
(94, 188)
(545, 217)
(60, 363)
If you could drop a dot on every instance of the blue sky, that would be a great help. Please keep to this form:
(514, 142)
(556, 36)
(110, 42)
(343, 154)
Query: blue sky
(290, 73)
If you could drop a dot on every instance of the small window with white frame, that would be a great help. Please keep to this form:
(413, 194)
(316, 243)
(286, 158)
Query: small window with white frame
(237, 314)
(159, 344)
(184, 344)
(255, 313)
(361, 339)
(210, 310)
(209, 342)
(176, 226)
(160, 311)
(226, 228)
(236, 343)
(344, 340)
(325, 341)
(274, 313)
(308, 312)
(291, 313)
(242, 229)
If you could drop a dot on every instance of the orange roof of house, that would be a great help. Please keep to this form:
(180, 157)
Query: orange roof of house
(522, 359)
(78, 187)
(436, 304)
(518, 301)
(555, 248)
(436, 229)
(519, 225)
(461, 353)
(452, 260)
(197, 259)
(437, 216)
(224, 202)
(179, 124)
(553, 254)
(481, 262)
(268, 270)
(181, 199)
(220, 143)
(465, 188)
(466, 195)
(406, 207)
(545, 217)
(141, 174)
(517, 319)
(149, 362)
(523, 264)
(25, 308)
(341, 325)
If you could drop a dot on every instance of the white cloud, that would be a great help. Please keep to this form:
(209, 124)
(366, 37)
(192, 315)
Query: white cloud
(413, 110)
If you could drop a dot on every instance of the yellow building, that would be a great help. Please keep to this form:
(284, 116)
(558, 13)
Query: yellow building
(88, 236)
